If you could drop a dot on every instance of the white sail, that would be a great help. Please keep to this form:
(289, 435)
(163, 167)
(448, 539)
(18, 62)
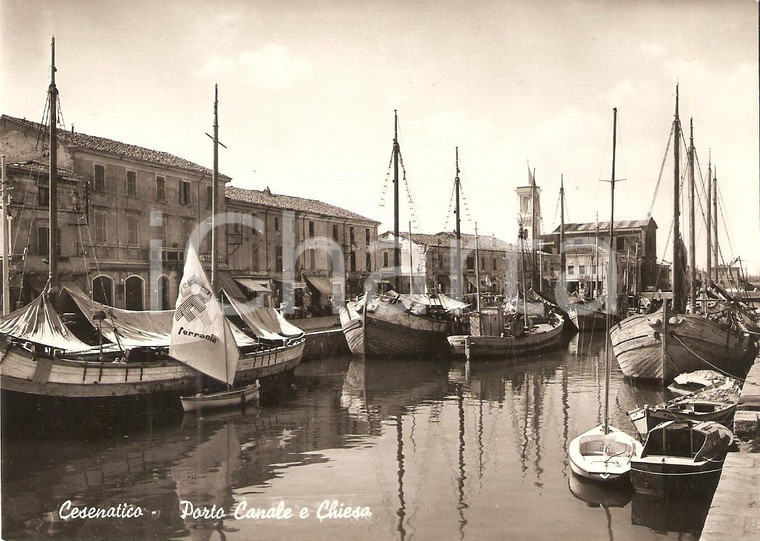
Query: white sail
(201, 337)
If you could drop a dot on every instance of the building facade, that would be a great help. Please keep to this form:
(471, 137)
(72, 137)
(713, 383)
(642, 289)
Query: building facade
(432, 265)
(302, 254)
(125, 214)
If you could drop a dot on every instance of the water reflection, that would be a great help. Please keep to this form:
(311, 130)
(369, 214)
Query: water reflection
(437, 450)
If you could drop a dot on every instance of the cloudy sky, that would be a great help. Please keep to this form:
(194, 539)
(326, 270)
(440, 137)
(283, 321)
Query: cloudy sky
(307, 92)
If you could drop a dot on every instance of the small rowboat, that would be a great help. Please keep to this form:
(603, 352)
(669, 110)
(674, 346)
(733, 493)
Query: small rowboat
(223, 399)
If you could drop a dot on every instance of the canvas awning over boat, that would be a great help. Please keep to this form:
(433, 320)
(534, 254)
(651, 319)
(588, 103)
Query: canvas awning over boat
(257, 286)
(440, 300)
(225, 281)
(266, 323)
(321, 283)
(38, 322)
(150, 328)
(127, 328)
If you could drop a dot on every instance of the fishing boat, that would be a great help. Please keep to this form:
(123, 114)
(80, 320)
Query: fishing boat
(713, 403)
(43, 361)
(517, 340)
(668, 342)
(681, 459)
(604, 453)
(398, 325)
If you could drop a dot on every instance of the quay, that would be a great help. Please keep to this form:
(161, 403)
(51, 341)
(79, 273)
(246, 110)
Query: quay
(324, 337)
(735, 510)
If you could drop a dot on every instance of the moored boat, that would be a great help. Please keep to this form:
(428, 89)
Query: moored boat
(536, 338)
(604, 453)
(713, 403)
(661, 345)
(223, 399)
(681, 459)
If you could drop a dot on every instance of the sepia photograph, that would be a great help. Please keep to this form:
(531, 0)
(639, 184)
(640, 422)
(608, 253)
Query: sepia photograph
(401, 270)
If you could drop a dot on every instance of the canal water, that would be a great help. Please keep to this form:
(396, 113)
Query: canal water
(355, 449)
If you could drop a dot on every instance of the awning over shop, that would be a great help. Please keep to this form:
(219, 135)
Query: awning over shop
(291, 283)
(230, 286)
(256, 286)
(472, 281)
(321, 283)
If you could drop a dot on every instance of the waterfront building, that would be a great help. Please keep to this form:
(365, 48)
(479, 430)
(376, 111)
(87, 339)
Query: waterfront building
(301, 252)
(635, 254)
(124, 215)
(433, 257)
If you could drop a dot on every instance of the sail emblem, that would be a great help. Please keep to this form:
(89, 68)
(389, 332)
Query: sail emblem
(196, 300)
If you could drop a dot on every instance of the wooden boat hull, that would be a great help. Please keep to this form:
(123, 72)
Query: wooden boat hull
(38, 373)
(220, 400)
(395, 333)
(648, 417)
(603, 457)
(353, 329)
(675, 477)
(546, 337)
(637, 344)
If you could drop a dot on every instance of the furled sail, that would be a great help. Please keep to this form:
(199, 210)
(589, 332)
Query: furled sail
(201, 336)
(265, 323)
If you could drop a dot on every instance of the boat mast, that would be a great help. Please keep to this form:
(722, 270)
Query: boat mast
(6, 249)
(411, 263)
(477, 270)
(715, 221)
(709, 221)
(534, 277)
(610, 294)
(562, 256)
(215, 189)
(53, 177)
(458, 262)
(678, 284)
(692, 243)
(396, 244)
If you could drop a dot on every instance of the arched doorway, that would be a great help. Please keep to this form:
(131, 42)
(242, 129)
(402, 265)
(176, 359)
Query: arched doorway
(162, 293)
(133, 291)
(102, 290)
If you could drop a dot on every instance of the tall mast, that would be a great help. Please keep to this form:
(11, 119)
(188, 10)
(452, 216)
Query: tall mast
(534, 279)
(477, 270)
(53, 178)
(411, 262)
(678, 284)
(611, 295)
(692, 228)
(396, 244)
(716, 250)
(562, 256)
(709, 221)
(215, 189)
(5, 250)
(458, 261)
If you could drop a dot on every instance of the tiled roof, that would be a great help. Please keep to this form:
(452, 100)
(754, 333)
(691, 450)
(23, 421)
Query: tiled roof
(42, 168)
(446, 238)
(101, 144)
(266, 198)
(590, 227)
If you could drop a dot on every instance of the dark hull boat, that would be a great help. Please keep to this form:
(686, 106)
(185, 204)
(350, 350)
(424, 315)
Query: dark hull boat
(399, 326)
(540, 337)
(681, 459)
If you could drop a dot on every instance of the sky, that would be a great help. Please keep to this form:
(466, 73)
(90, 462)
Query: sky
(308, 89)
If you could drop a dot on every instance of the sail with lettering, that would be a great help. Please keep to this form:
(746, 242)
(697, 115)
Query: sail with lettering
(201, 336)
